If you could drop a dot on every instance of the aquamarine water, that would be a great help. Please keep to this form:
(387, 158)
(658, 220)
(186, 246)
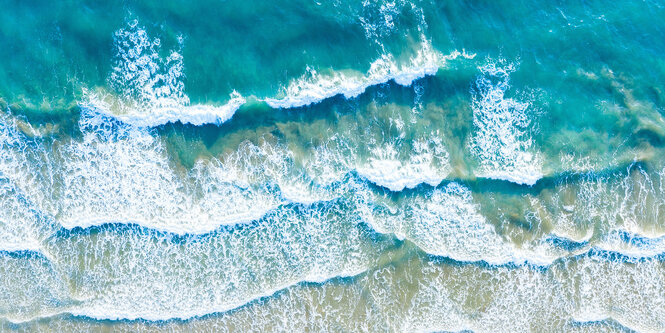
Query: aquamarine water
(339, 166)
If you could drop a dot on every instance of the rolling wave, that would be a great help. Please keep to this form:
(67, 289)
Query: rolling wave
(315, 87)
(151, 89)
(568, 294)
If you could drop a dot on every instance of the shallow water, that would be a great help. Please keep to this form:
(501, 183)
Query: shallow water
(335, 166)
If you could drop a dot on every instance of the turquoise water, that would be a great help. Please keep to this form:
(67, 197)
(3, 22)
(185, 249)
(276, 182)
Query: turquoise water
(332, 166)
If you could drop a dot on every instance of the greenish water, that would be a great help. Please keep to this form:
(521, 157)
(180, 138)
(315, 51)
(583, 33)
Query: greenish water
(332, 166)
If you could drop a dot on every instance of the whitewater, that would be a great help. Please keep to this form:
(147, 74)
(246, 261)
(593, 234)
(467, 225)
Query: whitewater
(342, 166)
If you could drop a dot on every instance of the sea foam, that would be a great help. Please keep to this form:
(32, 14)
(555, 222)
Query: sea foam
(428, 163)
(315, 87)
(23, 188)
(121, 173)
(150, 88)
(502, 139)
(140, 273)
(573, 295)
(447, 222)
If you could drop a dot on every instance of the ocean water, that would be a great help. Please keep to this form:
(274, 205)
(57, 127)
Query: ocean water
(332, 166)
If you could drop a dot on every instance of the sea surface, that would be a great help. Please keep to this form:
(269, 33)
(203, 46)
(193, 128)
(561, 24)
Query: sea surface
(332, 166)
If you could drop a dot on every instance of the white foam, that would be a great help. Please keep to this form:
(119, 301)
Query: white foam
(118, 312)
(632, 245)
(121, 173)
(631, 202)
(380, 22)
(428, 163)
(454, 297)
(30, 286)
(152, 88)
(138, 273)
(17, 223)
(118, 173)
(151, 116)
(395, 165)
(601, 284)
(443, 297)
(141, 75)
(598, 318)
(21, 189)
(501, 140)
(315, 87)
(446, 222)
(226, 270)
